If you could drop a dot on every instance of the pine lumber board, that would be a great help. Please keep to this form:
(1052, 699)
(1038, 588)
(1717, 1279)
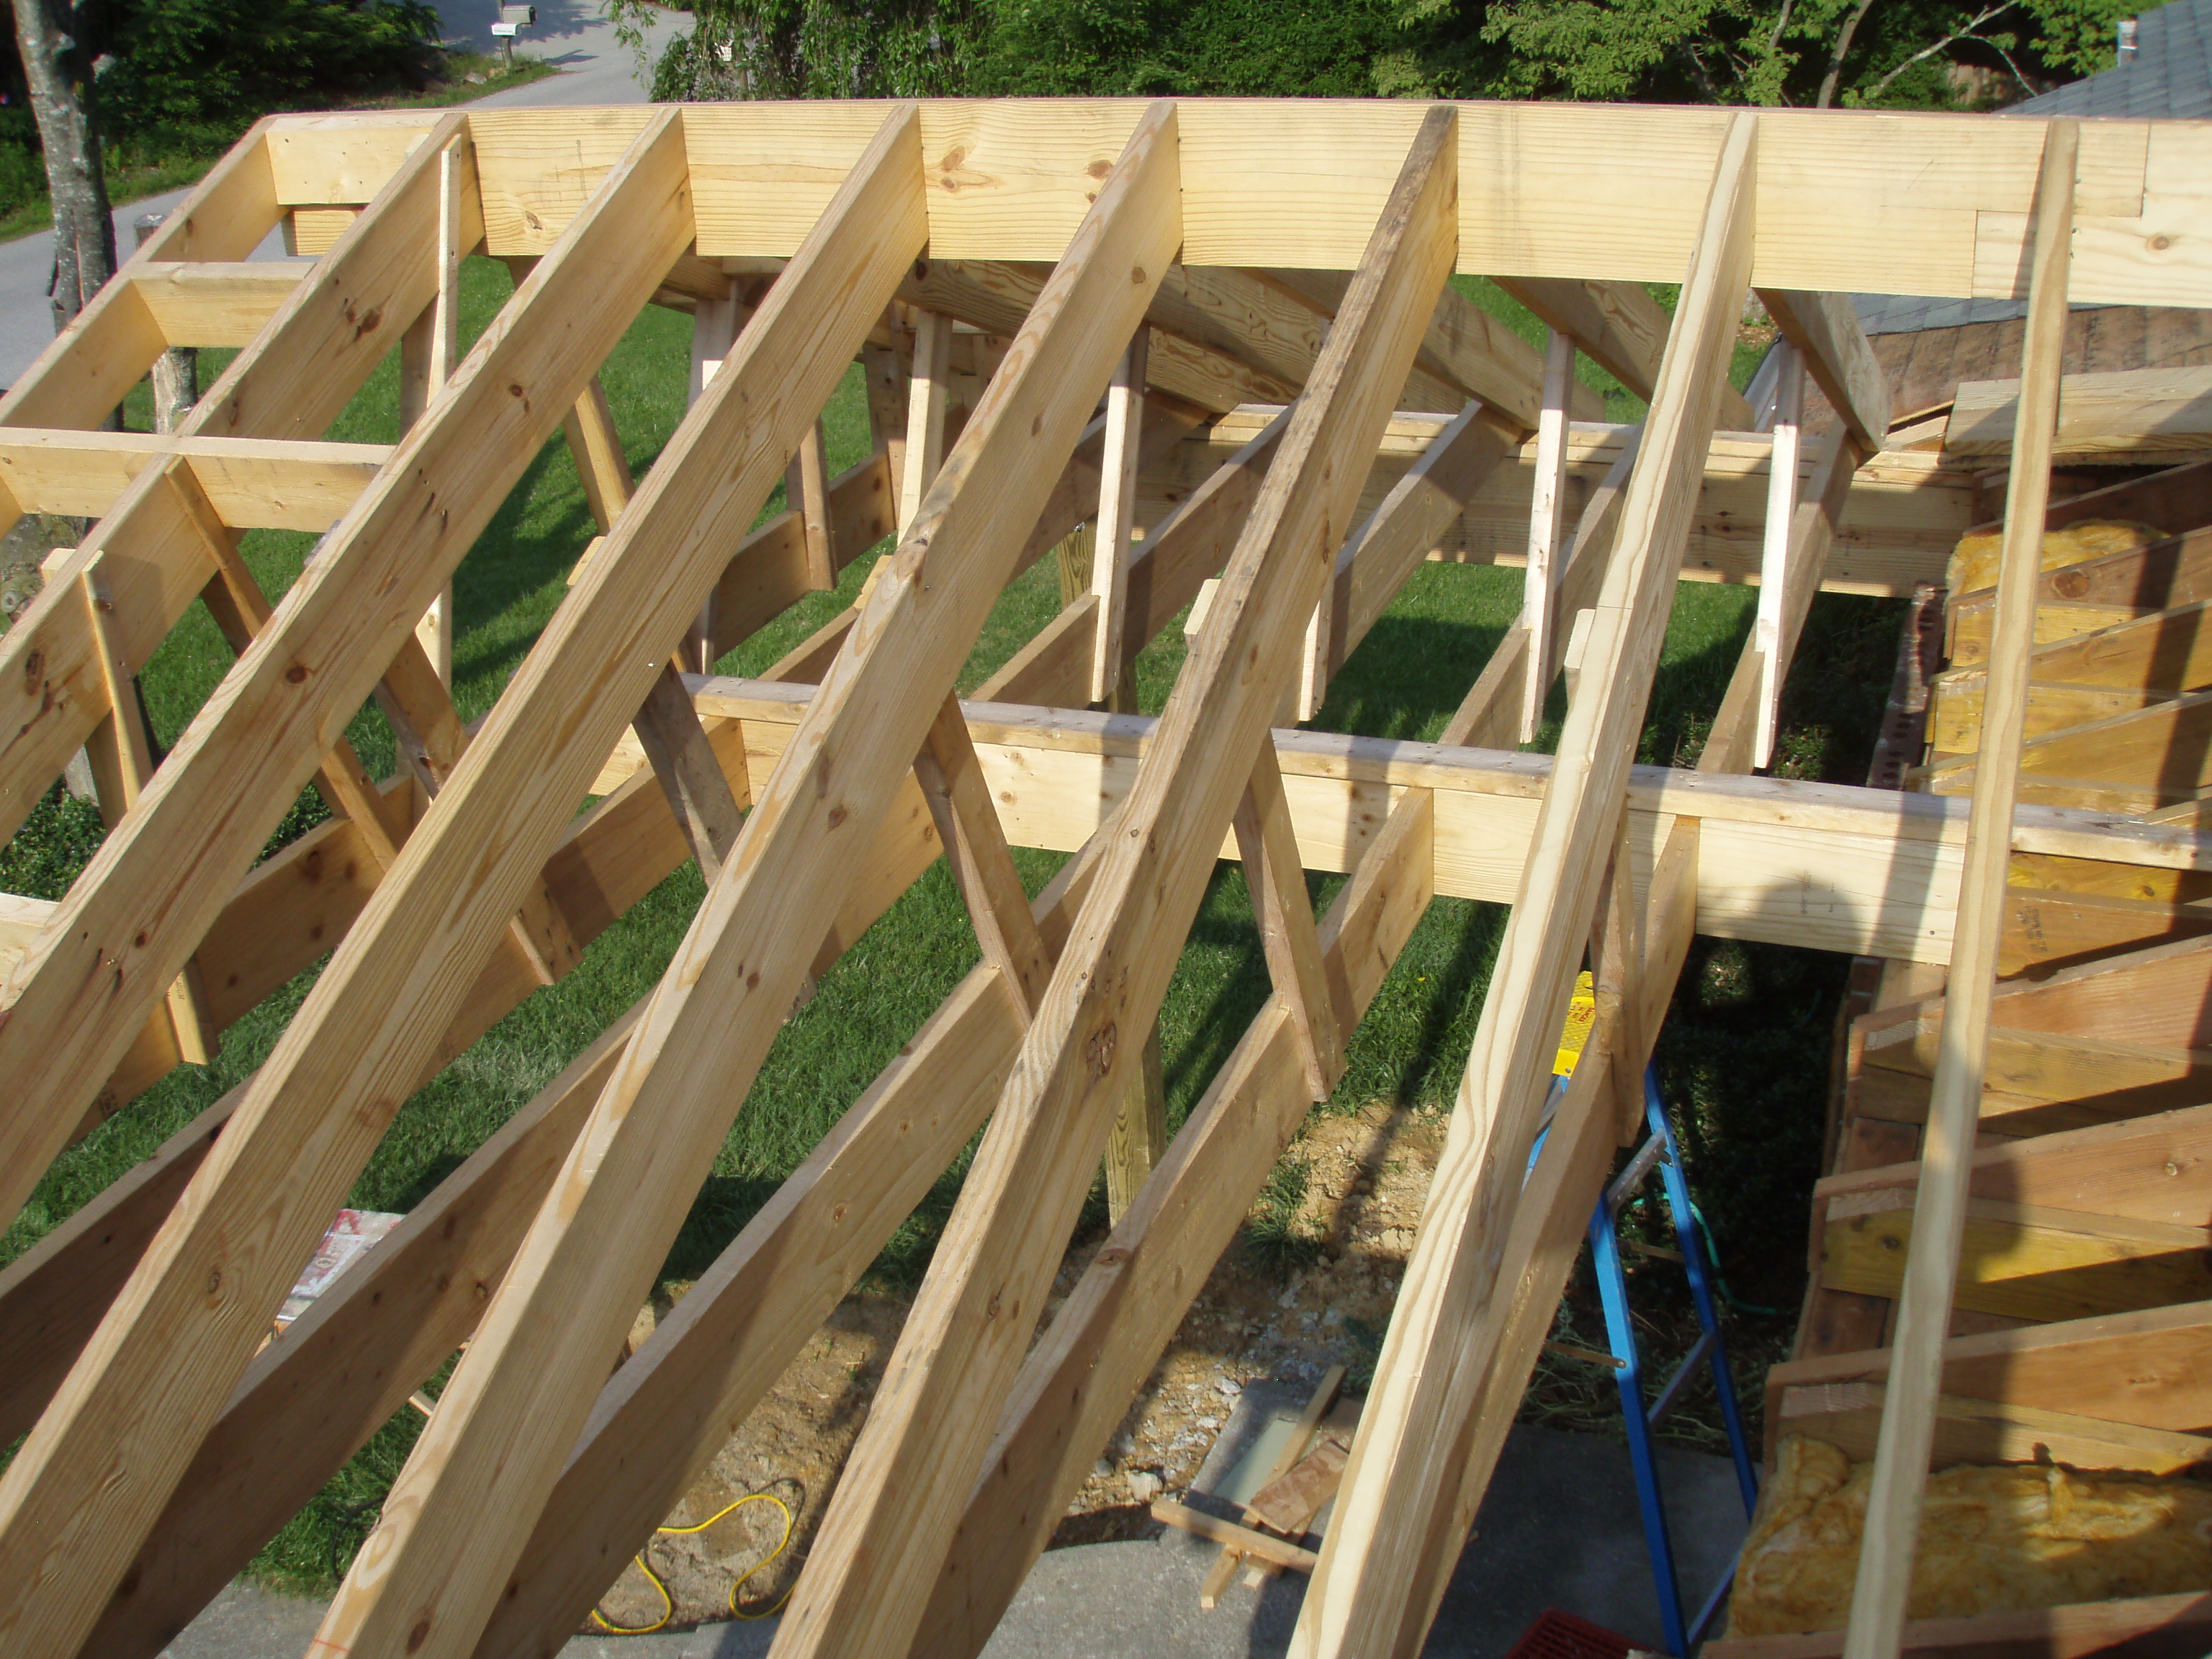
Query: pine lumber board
(2151, 1169)
(886, 1533)
(255, 484)
(1826, 328)
(2054, 928)
(667, 1412)
(513, 1404)
(2054, 707)
(153, 1379)
(1396, 1506)
(1075, 1386)
(213, 303)
(1781, 860)
(2129, 411)
(1942, 1206)
(2023, 1263)
(2144, 1367)
(1847, 1415)
(1596, 192)
(49, 699)
(85, 371)
(1261, 1545)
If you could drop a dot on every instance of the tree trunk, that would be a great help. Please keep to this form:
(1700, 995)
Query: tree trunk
(1836, 58)
(54, 65)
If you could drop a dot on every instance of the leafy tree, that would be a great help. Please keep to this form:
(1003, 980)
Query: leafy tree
(1898, 53)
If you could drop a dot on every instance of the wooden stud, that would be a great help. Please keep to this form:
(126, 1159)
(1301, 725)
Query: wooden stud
(684, 761)
(926, 401)
(1277, 877)
(976, 847)
(1878, 1598)
(1546, 511)
(805, 490)
(1774, 545)
(1117, 512)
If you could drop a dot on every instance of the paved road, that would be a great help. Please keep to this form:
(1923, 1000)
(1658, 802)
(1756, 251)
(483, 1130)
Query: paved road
(597, 68)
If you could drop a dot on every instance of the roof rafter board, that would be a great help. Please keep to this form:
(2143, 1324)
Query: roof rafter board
(1851, 201)
(1906, 514)
(310, 360)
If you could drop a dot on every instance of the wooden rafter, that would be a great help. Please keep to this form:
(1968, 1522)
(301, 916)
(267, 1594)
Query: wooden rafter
(1307, 438)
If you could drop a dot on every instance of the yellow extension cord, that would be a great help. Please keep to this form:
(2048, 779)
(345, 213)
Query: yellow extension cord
(668, 1602)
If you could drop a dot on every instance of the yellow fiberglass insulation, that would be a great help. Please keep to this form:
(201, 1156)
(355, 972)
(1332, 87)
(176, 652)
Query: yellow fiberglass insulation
(1991, 1540)
(1974, 561)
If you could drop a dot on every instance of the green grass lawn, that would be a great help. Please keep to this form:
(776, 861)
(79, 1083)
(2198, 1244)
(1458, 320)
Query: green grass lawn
(1744, 1055)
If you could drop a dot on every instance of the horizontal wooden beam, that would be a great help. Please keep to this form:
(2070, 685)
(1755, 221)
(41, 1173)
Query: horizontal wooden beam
(1906, 511)
(1594, 191)
(208, 303)
(2162, 412)
(252, 483)
(1781, 860)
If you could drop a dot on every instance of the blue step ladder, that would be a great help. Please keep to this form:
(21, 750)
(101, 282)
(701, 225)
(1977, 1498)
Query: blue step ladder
(1660, 1152)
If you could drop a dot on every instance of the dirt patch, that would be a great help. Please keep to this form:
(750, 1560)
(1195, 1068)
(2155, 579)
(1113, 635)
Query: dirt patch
(1309, 1283)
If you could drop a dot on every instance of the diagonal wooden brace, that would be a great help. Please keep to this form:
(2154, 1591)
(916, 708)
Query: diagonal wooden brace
(968, 824)
(1277, 877)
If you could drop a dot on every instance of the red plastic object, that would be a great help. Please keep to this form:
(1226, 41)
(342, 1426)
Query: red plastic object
(1559, 1635)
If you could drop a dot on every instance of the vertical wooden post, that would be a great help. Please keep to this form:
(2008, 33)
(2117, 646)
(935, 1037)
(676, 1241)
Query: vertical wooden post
(1939, 1211)
(1547, 510)
(1117, 513)
(428, 352)
(885, 365)
(924, 411)
(1774, 550)
(807, 492)
(1139, 1137)
(715, 325)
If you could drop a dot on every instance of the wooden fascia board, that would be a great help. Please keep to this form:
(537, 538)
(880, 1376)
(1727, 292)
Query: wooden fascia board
(1586, 192)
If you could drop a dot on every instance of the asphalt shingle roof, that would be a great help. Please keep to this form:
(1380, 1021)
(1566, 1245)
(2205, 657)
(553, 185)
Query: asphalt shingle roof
(2171, 75)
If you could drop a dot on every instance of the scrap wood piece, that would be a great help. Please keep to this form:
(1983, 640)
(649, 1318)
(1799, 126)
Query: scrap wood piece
(170, 1334)
(515, 1400)
(888, 1529)
(1286, 1458)
(1397, 1514)
(1249, 1541)
(1900, 1469)
(1291, 1499)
